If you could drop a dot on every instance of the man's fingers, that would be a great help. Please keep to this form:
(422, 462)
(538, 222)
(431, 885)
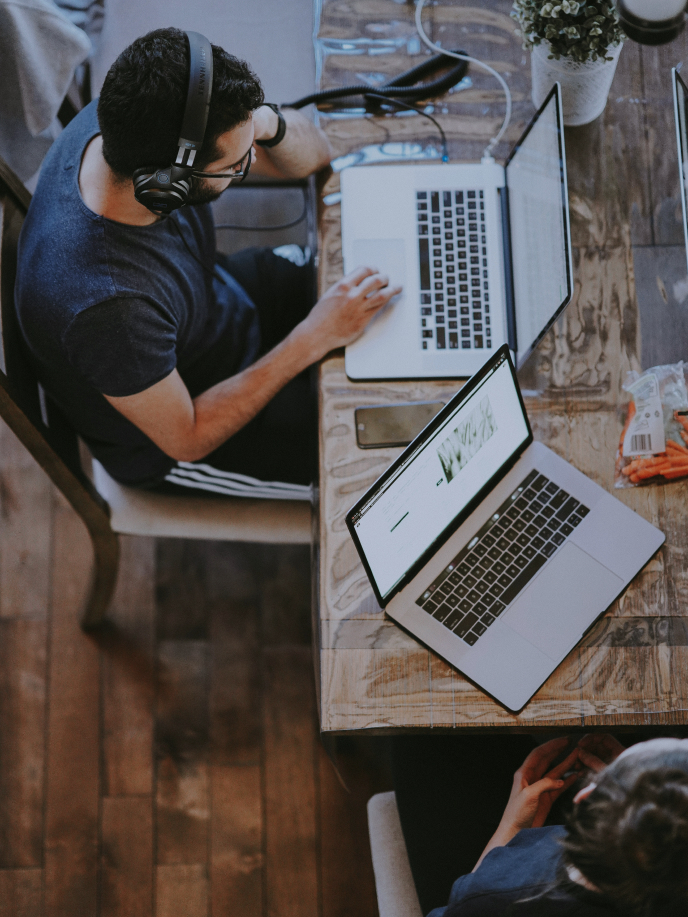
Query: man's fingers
(382, 297)
(371, 284)
(539, 758)
(592, 761)
(357, 275)
(566, 764)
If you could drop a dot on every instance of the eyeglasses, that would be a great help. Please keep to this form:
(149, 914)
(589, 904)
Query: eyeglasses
(243, 167)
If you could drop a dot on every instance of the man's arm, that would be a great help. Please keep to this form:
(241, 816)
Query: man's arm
(188, 429)
(304, 149)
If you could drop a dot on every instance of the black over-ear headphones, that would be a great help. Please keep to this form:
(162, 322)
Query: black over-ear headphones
(165, 190)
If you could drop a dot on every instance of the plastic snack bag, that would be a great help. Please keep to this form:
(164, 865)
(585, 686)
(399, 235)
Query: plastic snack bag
(654, 441)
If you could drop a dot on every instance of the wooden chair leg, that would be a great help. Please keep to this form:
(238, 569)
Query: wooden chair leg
(105, 567)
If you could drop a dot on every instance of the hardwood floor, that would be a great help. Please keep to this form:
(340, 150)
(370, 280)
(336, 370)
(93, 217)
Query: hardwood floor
(171, 767)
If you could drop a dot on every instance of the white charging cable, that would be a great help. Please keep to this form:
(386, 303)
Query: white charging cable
(487, 153)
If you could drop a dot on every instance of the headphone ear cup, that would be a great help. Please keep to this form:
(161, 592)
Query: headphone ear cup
(162, 190)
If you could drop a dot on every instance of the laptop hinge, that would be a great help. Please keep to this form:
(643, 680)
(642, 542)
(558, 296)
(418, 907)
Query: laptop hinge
(508, 271)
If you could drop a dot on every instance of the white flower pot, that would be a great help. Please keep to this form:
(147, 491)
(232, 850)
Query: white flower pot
(584, 87)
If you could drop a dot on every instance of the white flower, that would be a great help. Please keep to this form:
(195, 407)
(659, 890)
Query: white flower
(595, 30)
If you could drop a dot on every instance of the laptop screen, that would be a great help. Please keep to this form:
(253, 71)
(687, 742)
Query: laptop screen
(539, 228)
(421, 497)
(680, 98)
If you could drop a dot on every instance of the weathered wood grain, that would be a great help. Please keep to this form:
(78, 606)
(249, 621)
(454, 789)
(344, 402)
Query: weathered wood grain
(290, 783)
(25, 498)
(236, 855)
(128, 669)
(181, 891)
(20, 892)
(126, 858)
(182, 785)
(623, 189)
(72, 761)
(23, 656)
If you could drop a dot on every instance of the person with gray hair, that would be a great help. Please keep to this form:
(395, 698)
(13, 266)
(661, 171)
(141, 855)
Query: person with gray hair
(622, 850)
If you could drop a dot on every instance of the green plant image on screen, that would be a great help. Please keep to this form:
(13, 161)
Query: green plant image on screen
(467, 440)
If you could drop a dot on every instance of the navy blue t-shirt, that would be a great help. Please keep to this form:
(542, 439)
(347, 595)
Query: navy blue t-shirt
(527, 870)
(111, 309)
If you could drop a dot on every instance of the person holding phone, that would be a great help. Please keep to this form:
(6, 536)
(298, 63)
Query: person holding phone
(622, 850)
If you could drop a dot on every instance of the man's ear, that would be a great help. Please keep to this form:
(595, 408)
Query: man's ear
(584, 793)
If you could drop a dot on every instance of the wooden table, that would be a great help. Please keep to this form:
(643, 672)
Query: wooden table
(632, 668)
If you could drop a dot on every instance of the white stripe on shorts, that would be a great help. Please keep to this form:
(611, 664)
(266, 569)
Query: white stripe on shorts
(200, 476)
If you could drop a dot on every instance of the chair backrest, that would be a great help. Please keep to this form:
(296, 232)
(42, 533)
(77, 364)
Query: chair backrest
(35, 420)
(396, 893)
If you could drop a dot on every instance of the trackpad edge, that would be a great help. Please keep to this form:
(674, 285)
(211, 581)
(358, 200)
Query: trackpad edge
(556, 609)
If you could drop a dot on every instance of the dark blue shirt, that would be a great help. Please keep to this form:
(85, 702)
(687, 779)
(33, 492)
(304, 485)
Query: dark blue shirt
(110, 309)
(526, 877)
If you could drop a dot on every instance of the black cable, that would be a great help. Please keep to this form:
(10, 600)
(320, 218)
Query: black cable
(403, 86)
(302, 216)
(419, 111)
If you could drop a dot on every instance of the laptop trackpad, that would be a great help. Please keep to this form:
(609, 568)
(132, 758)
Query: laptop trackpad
(564, 600)
(385, 255)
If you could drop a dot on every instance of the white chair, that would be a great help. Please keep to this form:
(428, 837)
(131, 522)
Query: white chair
(396, 893)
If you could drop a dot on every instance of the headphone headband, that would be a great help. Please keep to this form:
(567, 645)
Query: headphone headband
(197, 98)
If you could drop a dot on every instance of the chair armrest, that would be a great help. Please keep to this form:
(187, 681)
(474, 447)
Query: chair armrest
(396, 892)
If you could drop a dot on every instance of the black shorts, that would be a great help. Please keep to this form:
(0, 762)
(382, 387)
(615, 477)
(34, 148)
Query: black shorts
(275, 454)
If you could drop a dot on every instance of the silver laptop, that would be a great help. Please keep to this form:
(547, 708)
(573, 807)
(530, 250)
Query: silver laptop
(483, 252)
(680, 112)
(491, 549)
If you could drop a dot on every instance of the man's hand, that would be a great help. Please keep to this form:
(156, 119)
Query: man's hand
(534, 790)
(597, 750)
(341, 315)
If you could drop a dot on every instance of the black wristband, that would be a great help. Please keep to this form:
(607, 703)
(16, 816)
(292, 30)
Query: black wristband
(281, 128)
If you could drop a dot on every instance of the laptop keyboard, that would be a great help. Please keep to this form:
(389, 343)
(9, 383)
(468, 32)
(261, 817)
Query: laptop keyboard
(500, 559)
(454, 284)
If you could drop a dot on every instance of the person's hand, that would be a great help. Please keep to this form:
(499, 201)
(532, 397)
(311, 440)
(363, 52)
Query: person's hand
(597, 750)
(265, 123)
(341, 315)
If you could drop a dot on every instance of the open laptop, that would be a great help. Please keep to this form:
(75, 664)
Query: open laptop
(491, 549)
(483, 253)
(680, 112)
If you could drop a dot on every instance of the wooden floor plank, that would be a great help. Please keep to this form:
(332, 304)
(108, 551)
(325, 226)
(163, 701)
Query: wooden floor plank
(25, 532)
(181, 752)
(182, 891)
(72, 785)
(180, 589)
(233, 591)
(127, 857)
(290, 783)
(286, 594)
(348, 883)
(236, 842)
(23, 648)
(20, 892)
(129, 674)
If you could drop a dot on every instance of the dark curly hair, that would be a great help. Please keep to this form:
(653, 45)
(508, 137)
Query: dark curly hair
(629, 837)
(141, 104)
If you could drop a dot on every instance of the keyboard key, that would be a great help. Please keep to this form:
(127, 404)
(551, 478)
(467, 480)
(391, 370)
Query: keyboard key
(558, 499)
(521, 562)
(519, 525)
(521, 504)
(482, 587)
(441, 342)
(430, 606)
(496, 590)
(442, 611)
(575, 520)
(489, 577)
(504, 580)
(464, 569)
(466, 624)
(527, 515)
(479, 628)
(549, 549)
(452, 600)
(551, 488)
(464, 605)
(480, 550)
(513, 571)
(497, 608)
(469, 580)
(446, 587)
(529, 494)
(454, 579)
(523, 539)
(498, 567)
(582, 511)
(532, 475)
(487, 619)
(558, 538)
(473, 597)
(529, 552)
(539, 482)
(538, 543)
(532, 530)
(488, 540)
(471, 638)
(569, 507)
(480, 609)
(547, 512)
(526, 575)
(504, 542)
(453, 619)
(566, 529)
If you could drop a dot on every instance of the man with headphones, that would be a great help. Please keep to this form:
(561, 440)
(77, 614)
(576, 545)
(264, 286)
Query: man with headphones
(179, 368)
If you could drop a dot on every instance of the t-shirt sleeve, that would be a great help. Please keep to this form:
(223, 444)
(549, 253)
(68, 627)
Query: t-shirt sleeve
(122, 346)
